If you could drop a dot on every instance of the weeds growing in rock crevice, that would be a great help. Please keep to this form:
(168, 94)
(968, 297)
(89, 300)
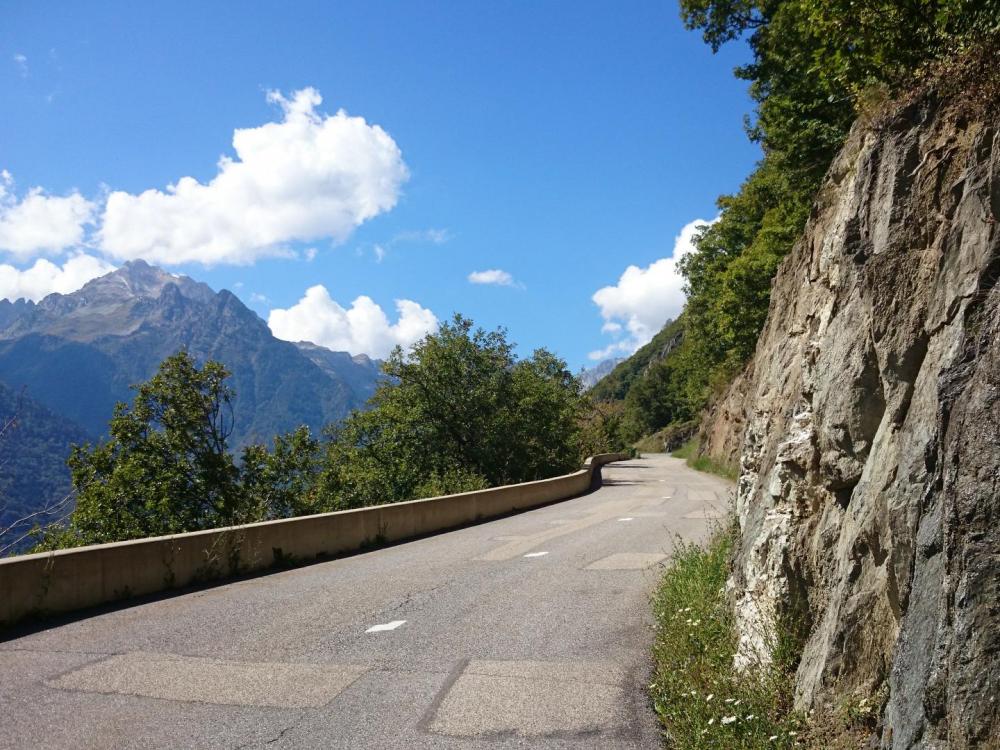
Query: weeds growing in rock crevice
(702, 701)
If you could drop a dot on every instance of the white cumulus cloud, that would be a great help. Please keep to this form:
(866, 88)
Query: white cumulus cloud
(364, 328)
(493, 276)
(636, 308)
(45, 277)
(39, 223)
(309, 176)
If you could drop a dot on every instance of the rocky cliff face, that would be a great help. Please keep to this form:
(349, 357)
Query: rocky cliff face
(868, 433)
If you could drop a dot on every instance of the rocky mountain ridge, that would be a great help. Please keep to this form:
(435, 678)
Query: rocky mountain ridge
(73, 356)
(78, 353)
(591, 376)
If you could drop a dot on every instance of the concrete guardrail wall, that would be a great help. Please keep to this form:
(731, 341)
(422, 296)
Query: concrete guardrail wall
(48, 583)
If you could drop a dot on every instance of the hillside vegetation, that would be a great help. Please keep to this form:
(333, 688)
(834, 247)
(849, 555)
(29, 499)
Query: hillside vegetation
(114, 332)
(34, 482)
(818, 66)
(457, 412)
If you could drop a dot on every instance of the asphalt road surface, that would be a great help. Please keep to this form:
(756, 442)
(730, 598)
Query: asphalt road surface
(530, 631)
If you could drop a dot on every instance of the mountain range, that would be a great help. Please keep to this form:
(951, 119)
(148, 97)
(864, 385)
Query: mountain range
(591, 376)
(73, 356)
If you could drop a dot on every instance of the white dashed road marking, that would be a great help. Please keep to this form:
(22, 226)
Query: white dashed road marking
(387, 626)
(536, 554)
(626, 519)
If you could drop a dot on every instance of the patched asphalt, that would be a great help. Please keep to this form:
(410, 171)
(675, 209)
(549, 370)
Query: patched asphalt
(484, 641)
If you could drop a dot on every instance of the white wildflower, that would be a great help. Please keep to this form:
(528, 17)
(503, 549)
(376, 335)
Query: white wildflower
(727, 720)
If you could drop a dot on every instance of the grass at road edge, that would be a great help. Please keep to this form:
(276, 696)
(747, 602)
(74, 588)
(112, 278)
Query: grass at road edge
(689, 452)
(701, 701)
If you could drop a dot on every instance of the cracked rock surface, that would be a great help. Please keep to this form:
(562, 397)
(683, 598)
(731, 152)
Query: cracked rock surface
(867, 428)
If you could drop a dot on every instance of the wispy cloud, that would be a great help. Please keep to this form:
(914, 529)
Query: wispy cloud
(493, 277)
(380, 250)
(21, 61)
(432, 236)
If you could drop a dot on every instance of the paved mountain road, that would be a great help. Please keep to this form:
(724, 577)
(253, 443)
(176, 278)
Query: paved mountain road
(528, 631)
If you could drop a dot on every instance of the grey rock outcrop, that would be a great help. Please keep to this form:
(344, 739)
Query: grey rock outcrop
(868, 433)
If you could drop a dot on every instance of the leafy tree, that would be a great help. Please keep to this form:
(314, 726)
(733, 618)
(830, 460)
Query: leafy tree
(165, 468)
(813, 60)
(457, 412)
(281, 483)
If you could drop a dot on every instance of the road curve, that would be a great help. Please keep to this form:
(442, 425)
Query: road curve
(528, 631)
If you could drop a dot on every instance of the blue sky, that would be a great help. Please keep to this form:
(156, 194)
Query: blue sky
(558, 143)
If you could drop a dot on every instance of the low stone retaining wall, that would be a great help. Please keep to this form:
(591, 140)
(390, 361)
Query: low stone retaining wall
(65, 580)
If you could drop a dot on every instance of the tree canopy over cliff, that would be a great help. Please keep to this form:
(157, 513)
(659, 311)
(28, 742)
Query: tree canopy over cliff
(817, 65)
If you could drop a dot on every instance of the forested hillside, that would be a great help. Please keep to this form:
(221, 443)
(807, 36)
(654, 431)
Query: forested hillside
(458, 411)
(34, 445)
(645, 385)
